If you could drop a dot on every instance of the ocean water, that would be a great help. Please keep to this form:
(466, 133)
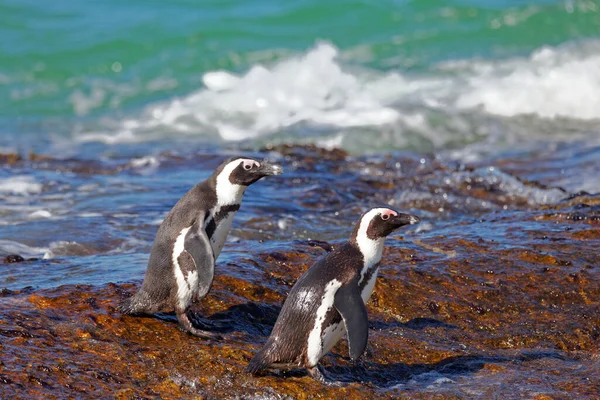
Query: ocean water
(481, 117)
(131, 103)
(135, 102)
(423, 75)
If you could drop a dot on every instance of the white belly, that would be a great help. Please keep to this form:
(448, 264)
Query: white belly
(186, 285)
(315, 338)
(218, 238)
(333, 333)
(368, 289)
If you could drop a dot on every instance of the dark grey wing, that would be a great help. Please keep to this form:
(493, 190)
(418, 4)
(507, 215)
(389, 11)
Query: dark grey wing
(351, 307)
(198, 246)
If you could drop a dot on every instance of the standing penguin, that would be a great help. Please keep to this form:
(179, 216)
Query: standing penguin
(189, 240)
(328, 300)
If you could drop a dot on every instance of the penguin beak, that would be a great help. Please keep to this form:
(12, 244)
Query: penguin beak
(267, 169)
(404, 219)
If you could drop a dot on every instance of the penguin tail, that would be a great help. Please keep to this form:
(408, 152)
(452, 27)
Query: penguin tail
(127, 306)
(134, 304)
(259, 363)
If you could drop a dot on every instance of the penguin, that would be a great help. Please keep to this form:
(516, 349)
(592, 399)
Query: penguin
(189, 240)
(329, 299)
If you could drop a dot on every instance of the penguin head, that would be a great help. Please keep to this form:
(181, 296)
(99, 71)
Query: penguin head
(246, 171)
(380, 222)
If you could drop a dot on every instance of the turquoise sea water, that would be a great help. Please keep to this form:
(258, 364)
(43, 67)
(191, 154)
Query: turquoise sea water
(427, 73)
(480, 117)
(136, 101)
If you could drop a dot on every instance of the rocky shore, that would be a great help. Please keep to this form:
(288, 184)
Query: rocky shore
(497, 296)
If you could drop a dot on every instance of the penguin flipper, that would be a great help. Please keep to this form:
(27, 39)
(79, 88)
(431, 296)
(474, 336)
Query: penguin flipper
(197, 244)
(351, 307)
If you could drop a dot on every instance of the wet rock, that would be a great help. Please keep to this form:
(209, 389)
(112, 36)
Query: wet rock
(430, 327)
(307, 152)
(13, 258)
(38, 157)
(495, 293)
(10, 158)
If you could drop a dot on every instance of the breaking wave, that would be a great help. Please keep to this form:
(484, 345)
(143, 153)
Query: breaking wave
(314, 92)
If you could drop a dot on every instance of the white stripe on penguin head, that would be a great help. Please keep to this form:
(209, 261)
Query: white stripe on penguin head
(370, 248)
(227, 192)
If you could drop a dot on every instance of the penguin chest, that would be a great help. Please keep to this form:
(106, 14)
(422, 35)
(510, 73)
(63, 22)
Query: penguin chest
(217, 240)
(185, 272)
(369, 283)
(323, 337)
(334, 332)
(331, 334)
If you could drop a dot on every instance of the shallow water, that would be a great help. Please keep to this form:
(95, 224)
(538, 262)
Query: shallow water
(479, 117)
(495, 287)
(84, 219)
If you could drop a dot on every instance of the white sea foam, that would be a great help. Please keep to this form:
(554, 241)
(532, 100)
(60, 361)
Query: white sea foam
(331, 142)
(12, 247)
(89, 215)
(450, 102)
(146, 161)
(68, 248)
(312, 88)
(429, 380)
(129, 245)
(145, 165)
(552, 82)
(40, 214)
(22, 185)
(504, 183)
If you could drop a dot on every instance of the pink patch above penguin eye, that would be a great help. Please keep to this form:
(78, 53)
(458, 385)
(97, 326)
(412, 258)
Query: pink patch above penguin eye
(248, 164)
(387, 214)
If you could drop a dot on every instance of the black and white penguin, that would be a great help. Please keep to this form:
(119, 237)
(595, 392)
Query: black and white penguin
(328, 300)
(189, 240)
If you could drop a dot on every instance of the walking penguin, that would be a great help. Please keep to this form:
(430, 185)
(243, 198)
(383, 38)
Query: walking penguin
(328, 300)
(189, 240)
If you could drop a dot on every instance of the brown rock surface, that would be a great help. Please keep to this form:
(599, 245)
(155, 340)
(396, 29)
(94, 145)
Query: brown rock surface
(502, 304)
(474, 315)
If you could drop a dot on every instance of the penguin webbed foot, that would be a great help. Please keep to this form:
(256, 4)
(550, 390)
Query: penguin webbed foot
(203, 334)
(187, 326)
(207, 324)
(321, 376)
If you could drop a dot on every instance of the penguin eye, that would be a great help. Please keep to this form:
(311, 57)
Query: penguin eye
(385, 217)
(247, 167)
